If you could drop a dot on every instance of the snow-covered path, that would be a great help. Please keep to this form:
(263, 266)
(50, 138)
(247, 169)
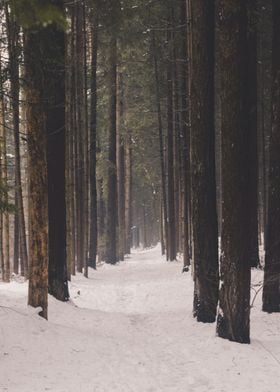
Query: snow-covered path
(130, 328)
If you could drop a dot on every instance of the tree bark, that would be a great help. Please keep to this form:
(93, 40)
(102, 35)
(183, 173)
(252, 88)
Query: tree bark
(234, 308)
(120, 167)
(128, 193)
(93, 128)
(85, 146)
(252, 127)
(271, 289)
(204, 215)
(80, 135)
(53, 69)
(111, 255)
(172, 246)
(161, 149)
(37, 171)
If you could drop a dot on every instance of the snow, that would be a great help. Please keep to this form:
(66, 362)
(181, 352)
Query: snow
(129, 328)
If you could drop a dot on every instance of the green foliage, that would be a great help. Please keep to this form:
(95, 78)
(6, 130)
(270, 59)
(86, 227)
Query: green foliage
(38, 13)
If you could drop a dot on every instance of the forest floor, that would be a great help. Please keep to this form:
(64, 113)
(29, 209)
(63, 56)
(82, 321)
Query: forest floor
(127, 328)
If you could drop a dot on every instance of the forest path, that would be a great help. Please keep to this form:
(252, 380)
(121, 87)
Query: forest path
(127, 328)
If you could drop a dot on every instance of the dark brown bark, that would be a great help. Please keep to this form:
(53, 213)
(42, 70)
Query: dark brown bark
(204, 216)
(101, 220)
(120, 167)
(161, 150)
(111, 255)
(69, 154)
(252, 128)
(185, 133)
(176, 142)
(93, 128)
(128, 193)
(37, 171)
(172, 246)
(85, 146)
(72, 170)
(16, 238)
(80, 136)
(264, 62)
(188, 141)
(271, 289)
(234, 308)
(53, 70)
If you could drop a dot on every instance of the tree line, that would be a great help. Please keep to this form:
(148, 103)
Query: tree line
(154, 122)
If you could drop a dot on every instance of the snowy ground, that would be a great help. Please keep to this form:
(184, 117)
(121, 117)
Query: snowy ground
(130, 328)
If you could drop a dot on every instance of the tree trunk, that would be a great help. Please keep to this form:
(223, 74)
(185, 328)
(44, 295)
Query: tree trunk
(128, 193)
(264, 105)
(172, 246)
(80, 128)
(252, 127)
(16, 237)
(271, 289)
(93, 191)
(121, 167)
(161, 149)
(37, 171)
(204, 216)
(85, 148)
(72, 170)
(101, 221)
(111, 255)
(234, 308)
(185, 133)
(69, 154)
(53, 46)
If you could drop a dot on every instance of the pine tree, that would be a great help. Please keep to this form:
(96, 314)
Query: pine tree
(111, 255)
(271, 289)
(93, 130)
(234, 308)
(204, 216)
(37, 171)
(53, 44)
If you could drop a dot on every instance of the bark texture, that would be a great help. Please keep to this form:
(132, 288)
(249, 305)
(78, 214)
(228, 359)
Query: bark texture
(234, 308)
(37, 170)
(112, 210)
(204, 216)
(271, 289)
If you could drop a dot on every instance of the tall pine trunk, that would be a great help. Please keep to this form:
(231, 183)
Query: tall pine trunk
(80, 135)
(271, 289)
(204, 215)
(37, 171)
(111, 255)
(53, 45)
(120, 166)
(234, 307)
(93, 234)
(252, 129)
(172, 246)
(128, 193)
(185, 133)
(161, 151)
